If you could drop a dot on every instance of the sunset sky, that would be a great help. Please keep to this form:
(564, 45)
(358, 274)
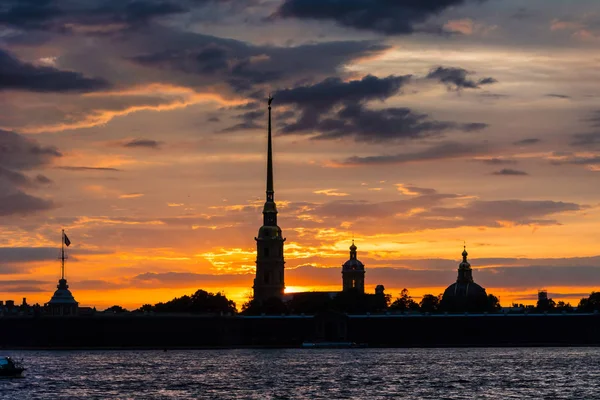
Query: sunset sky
(139, 127)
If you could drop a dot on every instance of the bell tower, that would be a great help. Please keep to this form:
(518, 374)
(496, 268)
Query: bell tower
(465, 273)
(269, 280)
(353, 272)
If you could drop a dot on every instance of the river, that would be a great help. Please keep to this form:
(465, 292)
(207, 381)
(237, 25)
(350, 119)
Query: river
(490, 373)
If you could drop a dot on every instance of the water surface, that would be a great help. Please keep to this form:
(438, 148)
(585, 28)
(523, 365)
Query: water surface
(524, 373)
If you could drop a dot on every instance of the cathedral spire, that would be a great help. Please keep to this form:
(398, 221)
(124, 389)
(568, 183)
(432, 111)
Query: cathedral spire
(270, 190)
(270, 265)
(270, 209)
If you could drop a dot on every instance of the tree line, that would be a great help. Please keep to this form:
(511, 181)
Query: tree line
(353, 302)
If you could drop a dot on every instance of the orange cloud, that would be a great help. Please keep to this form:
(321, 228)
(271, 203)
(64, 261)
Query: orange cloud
(173, 97)
(131, 195)
(467, 26)
(331, 192)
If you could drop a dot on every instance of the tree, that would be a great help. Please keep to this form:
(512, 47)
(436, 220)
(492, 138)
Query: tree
(591, 304)
(493, 303)
(430, 303)
(115, 310)
(404, 303)
(544, 305)
(201, 302)
(562, 306)
(146, 308)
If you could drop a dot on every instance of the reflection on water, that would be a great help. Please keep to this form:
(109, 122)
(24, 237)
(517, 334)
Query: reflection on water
(526, 373)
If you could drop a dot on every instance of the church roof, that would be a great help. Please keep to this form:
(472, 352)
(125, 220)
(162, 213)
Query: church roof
(464, 286)
(464, 289)
(62, 295)
(353, 263)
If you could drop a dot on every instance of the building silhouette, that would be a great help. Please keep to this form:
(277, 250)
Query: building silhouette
(464, 294)
(63, 302)
(353, 272)
(269, 280)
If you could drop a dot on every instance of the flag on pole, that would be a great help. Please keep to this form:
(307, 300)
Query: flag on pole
(67, 241)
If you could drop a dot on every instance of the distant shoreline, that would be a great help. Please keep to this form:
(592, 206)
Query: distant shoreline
(167, 349)
(121, 332)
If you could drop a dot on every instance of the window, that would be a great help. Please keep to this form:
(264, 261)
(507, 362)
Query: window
(266, 251)
(267, 277)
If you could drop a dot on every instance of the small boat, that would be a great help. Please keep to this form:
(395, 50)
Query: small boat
(10, 368)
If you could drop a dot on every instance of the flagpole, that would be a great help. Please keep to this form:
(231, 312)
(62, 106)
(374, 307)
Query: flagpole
(62, 251)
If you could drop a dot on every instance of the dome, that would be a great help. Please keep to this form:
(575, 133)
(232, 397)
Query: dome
(465, 290)
(464, 294)
(353, 264)
(464, 264)
(62, 295)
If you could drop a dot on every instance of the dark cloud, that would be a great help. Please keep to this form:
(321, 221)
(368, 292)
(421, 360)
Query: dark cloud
(18, 255)
(79, 168)
(92, 16)
(18, 75)
(527, 142)
(27, 254)
(374, 126)
(323, 96)
(525, 277)
(495, 213)
(574, 160)
(97, 284)
(25, 286)
(7, 269)
(249, 121)
(536, 276)
(586, 139)
(433, 210)
(186, 279)
(497, 161)
(21, 180)
(594, 119)
(510, 172)
(24, 289)
(383, 16)
(15, 178)
(20, 203)
(443, 151)
(18, 153)
(457, 78)
(558, 96)
(336, 109)
(43, 180)
(243, 66)
(471, 126)
(523, 14)
(143, 143)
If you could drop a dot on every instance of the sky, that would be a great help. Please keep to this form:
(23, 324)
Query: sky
(413, 127)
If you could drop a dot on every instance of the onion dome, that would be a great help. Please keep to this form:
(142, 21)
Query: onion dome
(464, 294)
(353, 263)
(464, 264)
